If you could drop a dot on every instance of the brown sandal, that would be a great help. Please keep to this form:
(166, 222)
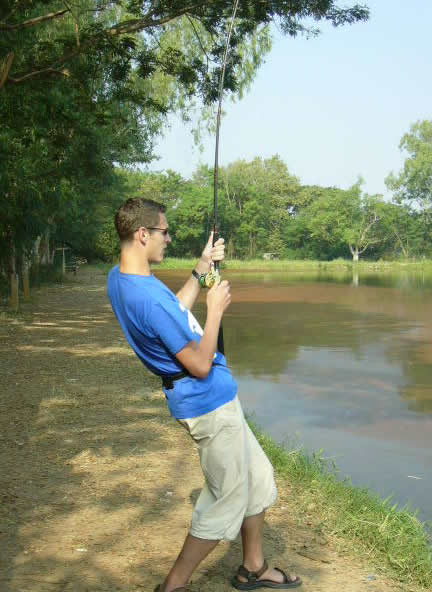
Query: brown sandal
(253, 582)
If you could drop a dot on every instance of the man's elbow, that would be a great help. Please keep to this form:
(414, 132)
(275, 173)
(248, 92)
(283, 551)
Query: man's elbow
(202, 370)
(196, 362)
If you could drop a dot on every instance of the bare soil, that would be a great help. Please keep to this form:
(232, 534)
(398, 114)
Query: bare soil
(97, 482)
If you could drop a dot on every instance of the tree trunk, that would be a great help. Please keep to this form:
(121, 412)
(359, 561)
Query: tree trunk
(5, 66)
(52, 253)
(26, 279)
(45, 257)
(63, 261)
(402, 246)
(252, 245)
(230, 249)
(355, 253)
(14, 292)
(36, 247)
(227, 193)
(36, 259)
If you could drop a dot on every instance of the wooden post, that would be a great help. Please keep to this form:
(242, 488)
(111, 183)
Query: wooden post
(63, 260)
(63, 249)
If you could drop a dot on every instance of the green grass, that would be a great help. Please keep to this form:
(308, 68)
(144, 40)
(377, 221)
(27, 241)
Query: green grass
(298, 265)
(293, 265)
(391, 539)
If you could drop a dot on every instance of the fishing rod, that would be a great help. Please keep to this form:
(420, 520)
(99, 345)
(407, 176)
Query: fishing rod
(221, 346)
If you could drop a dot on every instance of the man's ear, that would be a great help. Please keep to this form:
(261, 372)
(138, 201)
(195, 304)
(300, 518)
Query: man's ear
(142, 235)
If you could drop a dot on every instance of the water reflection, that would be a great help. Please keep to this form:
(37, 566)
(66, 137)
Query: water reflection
(262, 338)
(384, 279)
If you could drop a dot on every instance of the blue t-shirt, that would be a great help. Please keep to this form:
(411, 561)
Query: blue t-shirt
(157, 326)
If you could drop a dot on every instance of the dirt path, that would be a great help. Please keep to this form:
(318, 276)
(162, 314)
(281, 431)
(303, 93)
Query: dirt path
(97, 482)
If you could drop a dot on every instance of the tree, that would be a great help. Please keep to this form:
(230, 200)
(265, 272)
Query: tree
(345, 216)
(413, 185)
(57, 160)
(101, 240)
(259, 196)
(402, 231)
(191, 219)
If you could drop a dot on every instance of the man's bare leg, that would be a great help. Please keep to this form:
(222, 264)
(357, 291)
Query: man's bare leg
(193, 552)
(253, 558)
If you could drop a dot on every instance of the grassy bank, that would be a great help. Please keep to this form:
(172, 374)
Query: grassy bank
(390, 538)
(298, 265)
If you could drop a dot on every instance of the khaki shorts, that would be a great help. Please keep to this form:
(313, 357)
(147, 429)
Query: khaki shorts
(238, 475)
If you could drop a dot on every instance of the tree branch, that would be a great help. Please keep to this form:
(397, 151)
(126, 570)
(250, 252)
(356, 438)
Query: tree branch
(199, 40)
(368, 227)
(135, 25)
(63, 72)
(5, 67)
(34, 21)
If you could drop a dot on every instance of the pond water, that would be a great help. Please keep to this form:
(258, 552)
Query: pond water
(339, 363)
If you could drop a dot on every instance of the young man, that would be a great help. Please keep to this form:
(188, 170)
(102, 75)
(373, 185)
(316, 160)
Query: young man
(201, 394)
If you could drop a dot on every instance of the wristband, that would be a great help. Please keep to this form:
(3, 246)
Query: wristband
(200, 277)
(196, 275)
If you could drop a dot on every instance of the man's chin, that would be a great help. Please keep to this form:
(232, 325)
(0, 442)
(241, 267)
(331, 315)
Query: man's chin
(157, 260)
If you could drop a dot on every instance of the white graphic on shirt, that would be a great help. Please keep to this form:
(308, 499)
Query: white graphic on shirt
(194, 326)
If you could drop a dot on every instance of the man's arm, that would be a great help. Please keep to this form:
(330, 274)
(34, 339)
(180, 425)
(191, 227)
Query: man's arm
(197, 358)
(189, 292)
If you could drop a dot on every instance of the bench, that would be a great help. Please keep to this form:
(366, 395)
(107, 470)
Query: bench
(74, 263)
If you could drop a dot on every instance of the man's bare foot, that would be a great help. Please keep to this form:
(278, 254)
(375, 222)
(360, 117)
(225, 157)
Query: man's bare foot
(276, 575)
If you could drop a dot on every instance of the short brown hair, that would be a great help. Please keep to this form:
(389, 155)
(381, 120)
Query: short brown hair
(134, 213)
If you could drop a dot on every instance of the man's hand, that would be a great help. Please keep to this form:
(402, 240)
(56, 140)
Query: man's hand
(213, 253)
(189, 292)
(219, 297)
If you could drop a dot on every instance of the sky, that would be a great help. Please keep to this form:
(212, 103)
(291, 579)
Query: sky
(334, 107)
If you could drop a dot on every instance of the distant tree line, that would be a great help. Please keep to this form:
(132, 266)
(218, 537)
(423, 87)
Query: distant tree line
(264, 209)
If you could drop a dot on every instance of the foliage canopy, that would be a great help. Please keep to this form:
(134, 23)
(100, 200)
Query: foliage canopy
(87, 85)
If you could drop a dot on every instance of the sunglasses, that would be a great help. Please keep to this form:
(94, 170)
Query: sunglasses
(163, 231)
